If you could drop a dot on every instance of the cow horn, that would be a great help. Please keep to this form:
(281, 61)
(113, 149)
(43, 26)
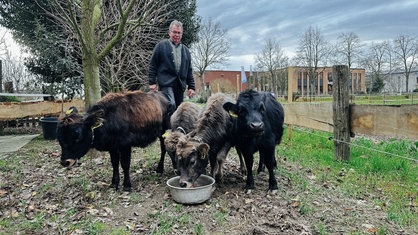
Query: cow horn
(181, 129)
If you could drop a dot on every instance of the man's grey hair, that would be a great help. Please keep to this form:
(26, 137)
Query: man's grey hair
(176, 23)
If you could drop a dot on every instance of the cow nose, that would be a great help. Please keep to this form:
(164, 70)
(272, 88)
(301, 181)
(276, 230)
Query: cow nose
(183, 184)
(65, 163)
(257, 125)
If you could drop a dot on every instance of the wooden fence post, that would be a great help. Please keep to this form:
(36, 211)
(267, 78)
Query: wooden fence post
(340, 108)
(289, 97)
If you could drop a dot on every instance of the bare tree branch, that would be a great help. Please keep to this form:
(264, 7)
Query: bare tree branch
(272, 59)
(348, 48)
(313, 52)
(104, 29)
(406, 51)
(211, 49)
(376, 60)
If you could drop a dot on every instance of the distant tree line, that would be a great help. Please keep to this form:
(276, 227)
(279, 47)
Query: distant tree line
(379, 59)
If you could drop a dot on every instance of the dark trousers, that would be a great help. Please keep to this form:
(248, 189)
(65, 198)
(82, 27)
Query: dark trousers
(175, 96)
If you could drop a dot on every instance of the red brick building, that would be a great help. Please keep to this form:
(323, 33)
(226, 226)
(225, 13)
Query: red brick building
(222, 81)
(230, 81)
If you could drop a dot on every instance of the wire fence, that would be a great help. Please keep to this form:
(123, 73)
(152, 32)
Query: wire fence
(386, 99)
(351, 144)
(375, 99)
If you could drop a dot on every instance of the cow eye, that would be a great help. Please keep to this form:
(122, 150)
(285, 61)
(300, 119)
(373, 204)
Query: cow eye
(242, 111)
(78, 136)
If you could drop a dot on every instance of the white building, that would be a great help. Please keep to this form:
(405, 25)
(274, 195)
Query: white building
(395, 82)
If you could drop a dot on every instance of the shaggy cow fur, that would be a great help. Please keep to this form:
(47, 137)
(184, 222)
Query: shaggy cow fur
(182, 122)
(118, 122)
(208, 142)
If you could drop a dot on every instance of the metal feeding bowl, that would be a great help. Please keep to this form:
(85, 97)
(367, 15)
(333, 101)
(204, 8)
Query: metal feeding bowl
(199, 194)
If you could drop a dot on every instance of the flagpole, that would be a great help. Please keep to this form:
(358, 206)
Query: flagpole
(238, 82)
(243, 77)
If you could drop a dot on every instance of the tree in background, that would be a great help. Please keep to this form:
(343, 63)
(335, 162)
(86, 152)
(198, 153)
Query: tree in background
(211, 49)
(185, 12)
(14, 72)
(272, 59)
(118, 36)
(97, 34)
(313, 52)
(51, 57)
(406, 53)
(376, 59)
(348, 49)
(126, 65)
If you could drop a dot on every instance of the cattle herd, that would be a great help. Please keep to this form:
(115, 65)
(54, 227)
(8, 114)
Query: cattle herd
(195, 137)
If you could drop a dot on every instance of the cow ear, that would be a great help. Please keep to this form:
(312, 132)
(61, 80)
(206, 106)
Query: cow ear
(203, 150)
(71, 110)
(231, 108)
(94, 119)
(166, 134)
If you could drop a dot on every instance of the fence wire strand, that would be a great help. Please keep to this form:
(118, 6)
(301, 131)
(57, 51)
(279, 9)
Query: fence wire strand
(359, 146)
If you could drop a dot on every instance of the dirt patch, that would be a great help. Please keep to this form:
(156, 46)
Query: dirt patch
(38, 196)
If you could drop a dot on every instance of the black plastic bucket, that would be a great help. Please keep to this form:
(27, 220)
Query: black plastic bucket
(49, 127)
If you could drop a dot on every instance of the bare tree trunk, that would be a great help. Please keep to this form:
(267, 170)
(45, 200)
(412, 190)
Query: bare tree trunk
(1, 79)
(91, 80)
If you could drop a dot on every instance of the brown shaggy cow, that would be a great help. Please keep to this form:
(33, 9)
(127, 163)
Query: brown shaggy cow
(208, 142)
(115, 124)
(182, 122)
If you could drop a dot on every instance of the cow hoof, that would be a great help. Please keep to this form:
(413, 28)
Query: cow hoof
(259, 170)
(273, 191)
(127, 189)
(248, 191)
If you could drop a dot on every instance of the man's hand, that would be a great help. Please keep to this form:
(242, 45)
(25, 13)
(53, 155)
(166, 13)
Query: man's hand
(190, 93)
(153, 87)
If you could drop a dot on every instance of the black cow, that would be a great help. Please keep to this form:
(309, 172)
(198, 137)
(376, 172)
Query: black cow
(208, 142)
(115, 124)
(182, 122)
(258, 126)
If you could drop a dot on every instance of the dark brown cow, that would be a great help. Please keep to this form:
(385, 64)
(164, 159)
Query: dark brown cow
(208, 142)
(182, 122)
(115, 124)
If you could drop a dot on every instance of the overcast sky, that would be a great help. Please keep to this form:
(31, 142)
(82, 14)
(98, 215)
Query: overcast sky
(250, 23)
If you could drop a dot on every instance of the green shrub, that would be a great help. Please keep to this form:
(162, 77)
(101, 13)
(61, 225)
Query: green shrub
(9, 99)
